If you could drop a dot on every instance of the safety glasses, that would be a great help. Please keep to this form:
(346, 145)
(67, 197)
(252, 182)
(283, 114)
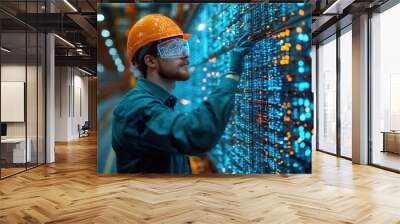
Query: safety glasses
(173, 48)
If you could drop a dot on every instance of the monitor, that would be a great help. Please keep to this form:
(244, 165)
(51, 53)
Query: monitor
(3, 129)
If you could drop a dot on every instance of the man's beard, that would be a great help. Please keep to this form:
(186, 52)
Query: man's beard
(176, 76)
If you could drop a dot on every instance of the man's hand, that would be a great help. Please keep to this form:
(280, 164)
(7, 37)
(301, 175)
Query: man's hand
(243, 47)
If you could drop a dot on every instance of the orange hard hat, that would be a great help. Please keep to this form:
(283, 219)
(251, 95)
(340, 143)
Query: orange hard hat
(151, 28)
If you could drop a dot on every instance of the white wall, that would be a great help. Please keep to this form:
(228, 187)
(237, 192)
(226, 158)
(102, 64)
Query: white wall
(12, 73)
(71, 93)
(61, 103)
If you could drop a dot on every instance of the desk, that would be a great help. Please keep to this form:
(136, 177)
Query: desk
(16, 147)
(391, 141)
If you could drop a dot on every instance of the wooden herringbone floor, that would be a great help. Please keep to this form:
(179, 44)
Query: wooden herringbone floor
(70, 191)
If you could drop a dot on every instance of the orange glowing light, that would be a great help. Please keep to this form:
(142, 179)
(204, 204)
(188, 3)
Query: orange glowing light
(301, 12)
(299, 30)
(289, 78)
(298, 47)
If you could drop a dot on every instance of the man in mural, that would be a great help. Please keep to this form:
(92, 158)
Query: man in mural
(148, 135)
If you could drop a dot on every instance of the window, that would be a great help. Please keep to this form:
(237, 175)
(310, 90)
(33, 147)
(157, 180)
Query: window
(327, 96)
(385, 89)
(346, 93)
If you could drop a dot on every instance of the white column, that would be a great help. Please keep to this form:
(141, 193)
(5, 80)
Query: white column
(50, 93)
(360, 90)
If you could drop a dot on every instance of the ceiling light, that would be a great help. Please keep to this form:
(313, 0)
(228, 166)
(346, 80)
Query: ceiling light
(5, 49)
(70, 5)
(84, 71)
(337, 7)
(65, 41)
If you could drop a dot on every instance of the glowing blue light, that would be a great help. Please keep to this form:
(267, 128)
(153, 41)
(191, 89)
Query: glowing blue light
(301, 70)
(109, 42)
(120, 68)
(303, 85)
(118, 61)
(305, 37)
(100, 17)
(112, 51)
(100, 68)
(105, 33)
(300, 36)
(231, 155)
(306, 103)
(307, 152)
(201, 27)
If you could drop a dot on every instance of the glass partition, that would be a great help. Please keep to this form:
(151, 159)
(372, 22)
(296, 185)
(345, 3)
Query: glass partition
(22, 88)
(327, 96)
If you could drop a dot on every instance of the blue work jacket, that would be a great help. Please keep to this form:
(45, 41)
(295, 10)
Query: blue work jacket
(149, 136)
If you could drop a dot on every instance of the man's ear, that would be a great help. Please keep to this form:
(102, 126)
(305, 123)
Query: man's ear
(150, 61)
